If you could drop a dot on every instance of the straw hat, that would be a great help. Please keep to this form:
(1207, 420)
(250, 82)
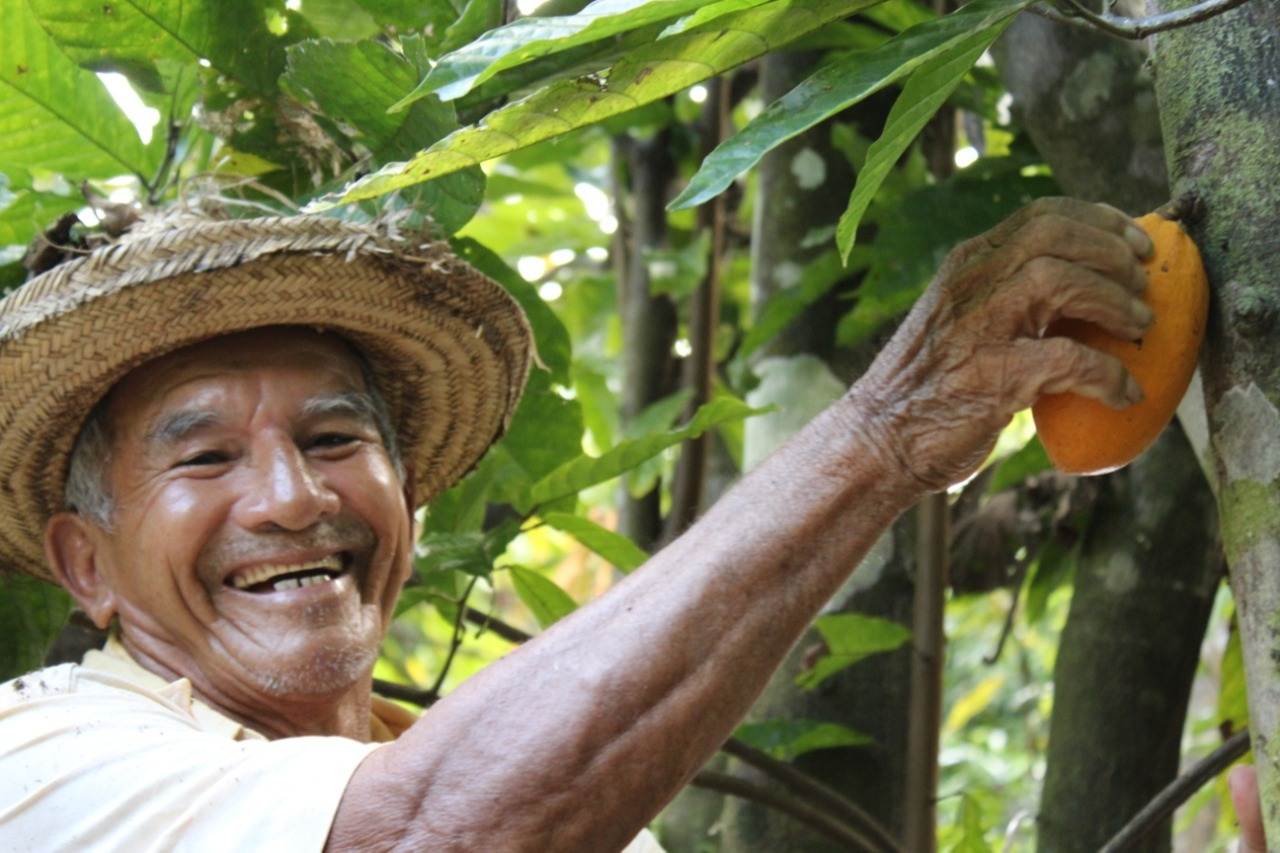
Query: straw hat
(450, 349)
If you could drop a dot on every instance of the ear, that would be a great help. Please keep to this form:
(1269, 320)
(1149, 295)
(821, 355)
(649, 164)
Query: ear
(71, 550)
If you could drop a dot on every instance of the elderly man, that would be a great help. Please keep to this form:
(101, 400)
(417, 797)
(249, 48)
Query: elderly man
(215, 436)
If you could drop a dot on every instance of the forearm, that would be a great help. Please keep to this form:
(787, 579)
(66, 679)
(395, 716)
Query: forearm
(578, 738)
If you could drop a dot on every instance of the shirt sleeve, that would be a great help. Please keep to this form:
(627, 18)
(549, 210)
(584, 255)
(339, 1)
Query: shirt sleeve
(93, 763)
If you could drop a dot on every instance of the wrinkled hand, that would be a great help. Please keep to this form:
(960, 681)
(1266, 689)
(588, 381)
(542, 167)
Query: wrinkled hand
(1243, 782)
(972, 352)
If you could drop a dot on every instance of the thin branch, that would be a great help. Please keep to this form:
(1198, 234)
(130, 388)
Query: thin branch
(405, 693)
(489, 622)
(455, 642)
(820, 821)
(1079, 15)
(1178, 792)
(804, 785)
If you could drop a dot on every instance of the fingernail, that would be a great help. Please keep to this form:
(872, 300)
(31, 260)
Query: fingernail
(1132, 390)
(1138, 240)
(1142, 313)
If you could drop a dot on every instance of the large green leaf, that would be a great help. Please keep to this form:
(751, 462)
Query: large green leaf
(618, 550)
(850, 637)
(574, 476)
(836, 87)
(31, 615)
(648, 74)
(353, 84)
(131, 35)
(926, 91)
(531, 38)
(57, 117)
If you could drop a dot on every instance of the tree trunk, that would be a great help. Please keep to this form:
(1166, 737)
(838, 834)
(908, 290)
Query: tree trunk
(1143, 593)
(646, 169)
(1115, 740)
(1218, 86)
(793, 202)
(1088, 106)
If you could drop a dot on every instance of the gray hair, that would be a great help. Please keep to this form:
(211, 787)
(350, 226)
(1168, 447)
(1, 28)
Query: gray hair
(88, 491)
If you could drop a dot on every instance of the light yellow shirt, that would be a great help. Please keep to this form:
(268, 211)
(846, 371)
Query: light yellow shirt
(106, 755)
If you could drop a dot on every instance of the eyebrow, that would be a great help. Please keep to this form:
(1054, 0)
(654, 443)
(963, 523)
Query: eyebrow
(354, 403)
(177, 426)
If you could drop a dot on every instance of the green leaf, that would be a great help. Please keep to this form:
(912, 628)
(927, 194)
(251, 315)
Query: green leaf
(787, 740)
(548, 602)
(57, 117)
(340, 19)
(616, 549)
(472, 552)
(973, 833)
(648, 74)
(531, 38)
(478, 17)
(1053, 568)
(832, 89)
(850, 637)
(131, 35)
(1233, 693)
(551, 338)
(409, 16)
(914, 236)
(1031, 459)
(819, 276)
(352, 84)
(926, 91)
(28, 212)
(545, 434)
(32, 613)
(574, 476)
(973, 703)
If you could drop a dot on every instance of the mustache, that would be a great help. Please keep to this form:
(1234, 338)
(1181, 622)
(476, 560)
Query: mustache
(330, 534)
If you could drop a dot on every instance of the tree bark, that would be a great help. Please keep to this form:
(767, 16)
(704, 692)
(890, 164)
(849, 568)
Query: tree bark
(1144, 589)
(792, 203)
(646, 169)
(1218, 86)
(1088, 103)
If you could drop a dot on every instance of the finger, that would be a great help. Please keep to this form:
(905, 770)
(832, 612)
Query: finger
(1096, 249)
(1101, 216)
(1056, 289)
(1243, 782)
(1061, 365)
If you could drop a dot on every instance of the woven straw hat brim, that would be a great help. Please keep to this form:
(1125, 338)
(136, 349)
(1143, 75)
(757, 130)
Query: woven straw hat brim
(449, 348)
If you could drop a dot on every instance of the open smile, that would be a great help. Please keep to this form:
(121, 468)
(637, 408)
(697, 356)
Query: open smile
(280, 577)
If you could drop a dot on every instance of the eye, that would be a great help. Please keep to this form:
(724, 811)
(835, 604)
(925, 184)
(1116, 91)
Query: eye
(332, 440)
(203, 458)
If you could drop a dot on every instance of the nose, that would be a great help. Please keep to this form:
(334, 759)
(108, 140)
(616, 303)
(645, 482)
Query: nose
(286, 492)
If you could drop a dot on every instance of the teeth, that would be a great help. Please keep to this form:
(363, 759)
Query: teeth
(299, 582)
(330, 566)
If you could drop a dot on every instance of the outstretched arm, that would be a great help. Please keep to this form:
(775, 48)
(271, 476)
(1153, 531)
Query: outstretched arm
(577, 739)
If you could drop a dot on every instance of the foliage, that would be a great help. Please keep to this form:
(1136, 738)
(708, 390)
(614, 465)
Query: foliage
(504, 136)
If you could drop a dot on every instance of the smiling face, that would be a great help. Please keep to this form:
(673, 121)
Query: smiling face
(260, 534)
